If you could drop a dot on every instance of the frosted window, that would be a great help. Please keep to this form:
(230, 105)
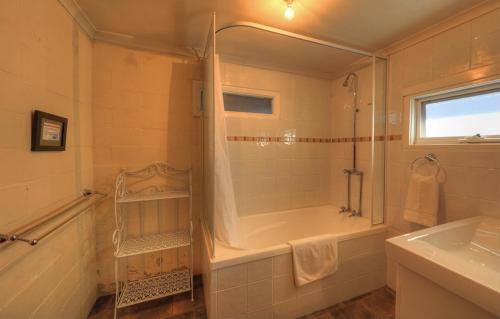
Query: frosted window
(462, 115)
(248, 104)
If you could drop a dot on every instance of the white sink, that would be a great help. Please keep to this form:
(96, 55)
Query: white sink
(461, 256)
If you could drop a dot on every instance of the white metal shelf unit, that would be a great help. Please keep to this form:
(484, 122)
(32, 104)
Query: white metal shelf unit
(155, 183)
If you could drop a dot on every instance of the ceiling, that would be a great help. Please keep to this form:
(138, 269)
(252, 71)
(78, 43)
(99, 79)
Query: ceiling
(178, 26)
(181, 24)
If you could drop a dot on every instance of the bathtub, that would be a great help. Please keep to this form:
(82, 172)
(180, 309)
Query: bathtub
(257, 282)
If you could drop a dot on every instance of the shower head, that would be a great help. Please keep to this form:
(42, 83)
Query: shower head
(346, 81)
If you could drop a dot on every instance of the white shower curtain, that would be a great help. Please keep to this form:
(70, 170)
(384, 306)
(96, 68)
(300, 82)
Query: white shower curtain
(226, 218)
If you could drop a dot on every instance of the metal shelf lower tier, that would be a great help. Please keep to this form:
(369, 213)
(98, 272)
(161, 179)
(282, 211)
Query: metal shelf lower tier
(162, 285)
(152, 243)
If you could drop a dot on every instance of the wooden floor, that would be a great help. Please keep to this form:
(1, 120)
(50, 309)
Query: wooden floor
(378, 304)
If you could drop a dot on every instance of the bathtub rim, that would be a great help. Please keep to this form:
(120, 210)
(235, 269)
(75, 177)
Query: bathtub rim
(237, 256)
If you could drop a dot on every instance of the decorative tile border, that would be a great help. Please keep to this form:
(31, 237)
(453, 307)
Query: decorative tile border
(292, 140)
(396, 137)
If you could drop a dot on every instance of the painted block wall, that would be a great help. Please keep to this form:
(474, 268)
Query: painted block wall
(471, 183)
(142, 114)
(46, 64)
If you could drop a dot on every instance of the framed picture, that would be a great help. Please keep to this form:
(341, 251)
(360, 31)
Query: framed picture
(48, 132)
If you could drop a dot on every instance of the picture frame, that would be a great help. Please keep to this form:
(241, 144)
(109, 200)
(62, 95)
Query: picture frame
(48, 132)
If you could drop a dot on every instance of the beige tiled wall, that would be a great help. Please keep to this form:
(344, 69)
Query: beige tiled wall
(279, 176)
(142, 113)
(45, 63)
(471, 183)
(265, 289)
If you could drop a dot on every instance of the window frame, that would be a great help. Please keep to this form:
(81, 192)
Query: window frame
(273, 95)
(417, 120)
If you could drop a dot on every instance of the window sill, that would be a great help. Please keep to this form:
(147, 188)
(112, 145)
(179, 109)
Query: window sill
(458, 141)
(454, 146)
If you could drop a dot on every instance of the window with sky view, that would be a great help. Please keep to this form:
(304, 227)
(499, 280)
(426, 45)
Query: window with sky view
(463, 116)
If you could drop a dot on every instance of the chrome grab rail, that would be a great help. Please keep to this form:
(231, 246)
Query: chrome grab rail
(20, 233)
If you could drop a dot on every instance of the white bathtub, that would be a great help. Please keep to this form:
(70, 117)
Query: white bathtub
(257, 282)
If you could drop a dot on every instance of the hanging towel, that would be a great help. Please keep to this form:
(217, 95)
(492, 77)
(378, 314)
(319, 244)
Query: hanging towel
(313, 258)
(422, 200)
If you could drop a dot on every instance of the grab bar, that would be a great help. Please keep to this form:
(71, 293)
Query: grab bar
(19, 233)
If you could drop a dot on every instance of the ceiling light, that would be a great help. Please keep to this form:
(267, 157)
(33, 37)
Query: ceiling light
(289, 13)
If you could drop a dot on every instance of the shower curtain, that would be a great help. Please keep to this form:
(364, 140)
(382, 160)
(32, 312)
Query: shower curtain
(226, 218)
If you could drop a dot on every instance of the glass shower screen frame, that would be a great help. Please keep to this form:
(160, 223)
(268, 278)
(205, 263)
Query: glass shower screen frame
(208, 131)
(379, 139)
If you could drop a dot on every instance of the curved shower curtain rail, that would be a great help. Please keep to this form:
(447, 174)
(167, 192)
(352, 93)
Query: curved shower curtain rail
(293, 35)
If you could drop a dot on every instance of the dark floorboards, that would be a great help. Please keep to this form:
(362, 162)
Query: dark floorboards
(378, 304)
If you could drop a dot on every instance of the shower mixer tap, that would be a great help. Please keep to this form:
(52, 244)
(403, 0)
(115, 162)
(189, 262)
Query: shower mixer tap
(352, 213)
(348, 209)
(355, 213)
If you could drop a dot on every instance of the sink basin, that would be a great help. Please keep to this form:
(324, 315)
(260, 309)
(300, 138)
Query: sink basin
(462, 257)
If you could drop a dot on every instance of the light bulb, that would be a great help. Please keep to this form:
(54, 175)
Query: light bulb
(289, 14)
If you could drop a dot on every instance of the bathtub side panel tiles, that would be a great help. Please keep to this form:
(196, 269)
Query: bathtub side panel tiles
(209, 285)
(242, 291)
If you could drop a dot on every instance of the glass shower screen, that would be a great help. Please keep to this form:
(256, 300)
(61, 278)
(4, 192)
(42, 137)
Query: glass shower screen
(320, 126)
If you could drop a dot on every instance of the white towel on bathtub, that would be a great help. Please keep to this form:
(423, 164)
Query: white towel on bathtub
(313, 258)
(422, 200)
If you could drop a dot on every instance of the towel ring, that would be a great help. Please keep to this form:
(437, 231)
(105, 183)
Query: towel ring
(430, 158)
